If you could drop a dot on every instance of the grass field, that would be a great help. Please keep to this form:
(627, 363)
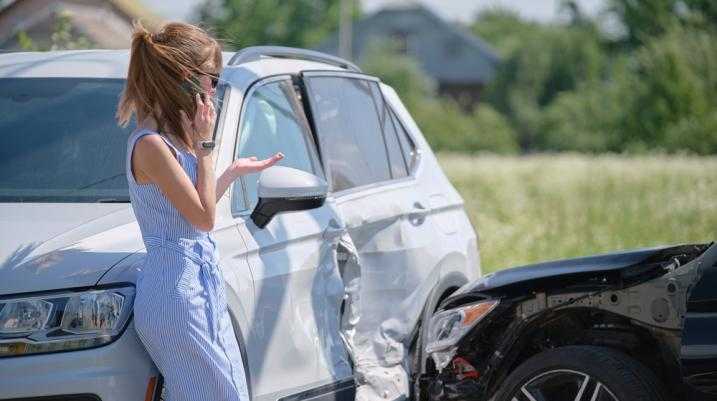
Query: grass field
(533, 208)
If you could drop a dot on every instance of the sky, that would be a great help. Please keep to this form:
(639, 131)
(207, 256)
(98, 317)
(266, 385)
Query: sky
(461, 10)
(465, 10)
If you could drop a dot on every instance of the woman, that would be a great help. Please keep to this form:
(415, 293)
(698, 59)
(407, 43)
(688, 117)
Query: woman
(180, 310)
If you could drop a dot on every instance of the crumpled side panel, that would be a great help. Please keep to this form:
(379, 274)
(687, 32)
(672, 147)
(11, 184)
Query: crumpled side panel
(328, 293)
(374, 339)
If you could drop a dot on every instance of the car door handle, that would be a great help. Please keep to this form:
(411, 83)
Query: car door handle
(418, 213)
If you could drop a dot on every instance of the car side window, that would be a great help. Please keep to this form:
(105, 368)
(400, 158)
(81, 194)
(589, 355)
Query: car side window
(407, 146)
(349, 131)
(390, 136)
(273, 121)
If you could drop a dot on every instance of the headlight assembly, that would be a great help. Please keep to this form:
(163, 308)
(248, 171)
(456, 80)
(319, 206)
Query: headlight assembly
(447, 327)
(62, 321)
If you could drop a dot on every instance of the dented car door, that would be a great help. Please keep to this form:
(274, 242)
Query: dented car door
(387, 219)
(293, 332)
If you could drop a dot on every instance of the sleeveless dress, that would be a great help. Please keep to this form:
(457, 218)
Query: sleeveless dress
(180, 308)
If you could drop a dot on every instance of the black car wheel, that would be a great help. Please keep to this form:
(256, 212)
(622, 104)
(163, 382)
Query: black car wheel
(580, 373)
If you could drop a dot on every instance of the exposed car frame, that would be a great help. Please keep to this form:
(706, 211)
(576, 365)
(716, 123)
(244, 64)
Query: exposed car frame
(655, 306)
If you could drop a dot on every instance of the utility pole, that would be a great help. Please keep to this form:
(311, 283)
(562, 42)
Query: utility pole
(345, 28)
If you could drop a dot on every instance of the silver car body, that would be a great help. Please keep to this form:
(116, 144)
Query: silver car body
(412, 239)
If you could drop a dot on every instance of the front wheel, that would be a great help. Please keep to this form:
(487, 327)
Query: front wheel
(580, 373)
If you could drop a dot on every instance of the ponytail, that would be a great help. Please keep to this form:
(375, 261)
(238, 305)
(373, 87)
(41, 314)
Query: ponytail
(161, 66)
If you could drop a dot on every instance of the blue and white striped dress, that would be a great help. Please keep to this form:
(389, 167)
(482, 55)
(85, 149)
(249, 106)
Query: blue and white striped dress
(180, 309)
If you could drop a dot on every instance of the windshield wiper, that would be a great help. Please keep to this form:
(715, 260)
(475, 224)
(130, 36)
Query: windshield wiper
(98, 182)
(112, 200)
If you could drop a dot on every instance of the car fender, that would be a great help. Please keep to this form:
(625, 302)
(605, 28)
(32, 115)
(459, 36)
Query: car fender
(445, 286)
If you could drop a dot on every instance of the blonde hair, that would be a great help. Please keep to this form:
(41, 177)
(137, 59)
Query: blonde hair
(161, 66)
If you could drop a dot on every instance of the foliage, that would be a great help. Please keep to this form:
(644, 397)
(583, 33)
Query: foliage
(443, 122)
(533, 208)
(676, 92)
(547, 62)
(62, 37)
(586, 119)
(402, 72)
(447, 127)
(645, 19)
(504, 29)
(299, 23)
(568, 87)
(661, 97)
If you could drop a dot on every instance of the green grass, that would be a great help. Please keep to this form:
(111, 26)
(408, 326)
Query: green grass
(534, 208)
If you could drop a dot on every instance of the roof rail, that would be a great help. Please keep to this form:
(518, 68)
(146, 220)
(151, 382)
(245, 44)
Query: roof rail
(254, 53)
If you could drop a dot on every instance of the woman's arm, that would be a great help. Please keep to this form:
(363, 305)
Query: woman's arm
(245, 165)
(155, 160)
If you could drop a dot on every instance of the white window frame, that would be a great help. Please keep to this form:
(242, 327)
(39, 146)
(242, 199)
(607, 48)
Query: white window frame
(311, 146)
(366, 189)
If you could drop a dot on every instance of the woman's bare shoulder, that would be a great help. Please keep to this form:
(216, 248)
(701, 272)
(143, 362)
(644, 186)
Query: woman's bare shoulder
(152, 145)
(152, 157)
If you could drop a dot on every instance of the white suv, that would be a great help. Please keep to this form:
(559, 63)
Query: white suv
(358, 178)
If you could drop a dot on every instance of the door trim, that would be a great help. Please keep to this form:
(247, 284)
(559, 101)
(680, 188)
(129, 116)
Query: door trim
(342, 390)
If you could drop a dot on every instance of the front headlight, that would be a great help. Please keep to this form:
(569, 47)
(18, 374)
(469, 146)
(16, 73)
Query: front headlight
(62, 321)
(447, 327)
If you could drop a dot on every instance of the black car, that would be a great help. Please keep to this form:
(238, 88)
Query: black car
(634, 325)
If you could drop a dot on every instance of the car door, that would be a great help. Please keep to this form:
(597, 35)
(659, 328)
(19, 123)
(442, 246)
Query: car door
(293, 343)
(373, 184)
(231, 246)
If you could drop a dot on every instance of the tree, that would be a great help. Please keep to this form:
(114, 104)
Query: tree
(543, 61)
(674, 99)
(446, 126)
(504, 29)
(62, 37)
(643, 19)
(383, 59)
(298, 23)
(647, 19)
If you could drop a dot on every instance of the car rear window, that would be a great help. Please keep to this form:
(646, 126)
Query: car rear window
(60, 141)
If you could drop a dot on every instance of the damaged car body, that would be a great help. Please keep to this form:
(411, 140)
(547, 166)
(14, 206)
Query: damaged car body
(331, 259)
(635, 325)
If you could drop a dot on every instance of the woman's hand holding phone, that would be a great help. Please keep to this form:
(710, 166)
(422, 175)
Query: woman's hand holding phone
(202, 125)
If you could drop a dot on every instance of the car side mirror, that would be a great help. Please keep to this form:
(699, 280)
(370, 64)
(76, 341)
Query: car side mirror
(286, 189)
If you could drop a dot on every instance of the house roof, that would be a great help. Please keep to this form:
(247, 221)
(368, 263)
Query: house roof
(105, 23)
(446, 51)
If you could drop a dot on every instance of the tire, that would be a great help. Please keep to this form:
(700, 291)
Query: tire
(583, 373)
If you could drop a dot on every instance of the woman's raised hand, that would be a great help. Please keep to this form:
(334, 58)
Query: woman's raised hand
(247, 165)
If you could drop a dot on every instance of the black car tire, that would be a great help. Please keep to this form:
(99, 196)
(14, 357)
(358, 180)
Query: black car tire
(561, 373)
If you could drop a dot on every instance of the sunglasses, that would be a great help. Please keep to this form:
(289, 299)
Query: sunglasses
(191, 84)
(214, 77)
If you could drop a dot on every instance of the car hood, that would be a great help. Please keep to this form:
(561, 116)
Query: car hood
(45, 246)
(629, 267)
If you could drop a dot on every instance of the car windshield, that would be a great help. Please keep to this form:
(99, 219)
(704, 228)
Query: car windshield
(60, 141)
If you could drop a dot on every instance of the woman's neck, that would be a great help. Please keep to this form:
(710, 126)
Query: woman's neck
(148, 123)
